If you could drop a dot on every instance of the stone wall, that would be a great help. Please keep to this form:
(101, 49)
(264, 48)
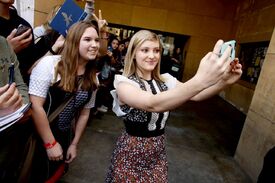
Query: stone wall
(258, 132)
(255, 22)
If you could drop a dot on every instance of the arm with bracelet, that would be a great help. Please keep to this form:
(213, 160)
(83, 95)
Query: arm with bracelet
(43, 74)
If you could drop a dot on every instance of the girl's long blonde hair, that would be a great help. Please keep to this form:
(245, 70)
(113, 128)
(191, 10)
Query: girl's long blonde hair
(130, 66)
(67, 67)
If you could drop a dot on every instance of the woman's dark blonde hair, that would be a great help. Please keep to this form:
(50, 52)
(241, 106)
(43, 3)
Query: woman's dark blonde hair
(70, 57)
(130, 67)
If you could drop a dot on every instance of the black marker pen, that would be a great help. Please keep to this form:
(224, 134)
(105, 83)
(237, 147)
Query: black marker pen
(11, 73)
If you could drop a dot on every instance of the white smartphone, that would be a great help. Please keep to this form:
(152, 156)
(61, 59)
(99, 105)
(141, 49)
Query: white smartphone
(232, 43)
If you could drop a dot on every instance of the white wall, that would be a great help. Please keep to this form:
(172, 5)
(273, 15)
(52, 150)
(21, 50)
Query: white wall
(25, 9)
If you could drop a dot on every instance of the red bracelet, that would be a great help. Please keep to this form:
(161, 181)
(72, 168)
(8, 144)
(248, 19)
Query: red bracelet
(50, 145)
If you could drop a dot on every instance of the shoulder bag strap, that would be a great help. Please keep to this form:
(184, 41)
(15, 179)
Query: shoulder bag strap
(60, 108)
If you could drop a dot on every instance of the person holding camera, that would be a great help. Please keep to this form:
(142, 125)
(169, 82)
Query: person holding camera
(18, 33)
(143, 98)
(13, 95)
(13, 90)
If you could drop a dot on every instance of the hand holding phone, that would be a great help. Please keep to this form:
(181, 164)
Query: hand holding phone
(231, 43)
(110, 48)
(21, 29)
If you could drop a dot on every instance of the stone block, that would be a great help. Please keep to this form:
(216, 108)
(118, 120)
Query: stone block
(271, 48)
(216, 27)
(253, 143)
(183, 23)
(150, 18)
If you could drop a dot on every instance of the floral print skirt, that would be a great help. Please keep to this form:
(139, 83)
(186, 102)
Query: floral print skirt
(138, 160)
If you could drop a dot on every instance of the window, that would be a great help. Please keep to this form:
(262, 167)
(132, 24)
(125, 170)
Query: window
(251, 57)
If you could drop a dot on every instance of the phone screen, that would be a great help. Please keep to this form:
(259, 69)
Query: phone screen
(110, 48)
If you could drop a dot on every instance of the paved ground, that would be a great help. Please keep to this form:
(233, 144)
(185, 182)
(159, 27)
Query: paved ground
(201, 141)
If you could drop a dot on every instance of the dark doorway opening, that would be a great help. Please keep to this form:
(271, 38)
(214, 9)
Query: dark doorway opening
(172, 61)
